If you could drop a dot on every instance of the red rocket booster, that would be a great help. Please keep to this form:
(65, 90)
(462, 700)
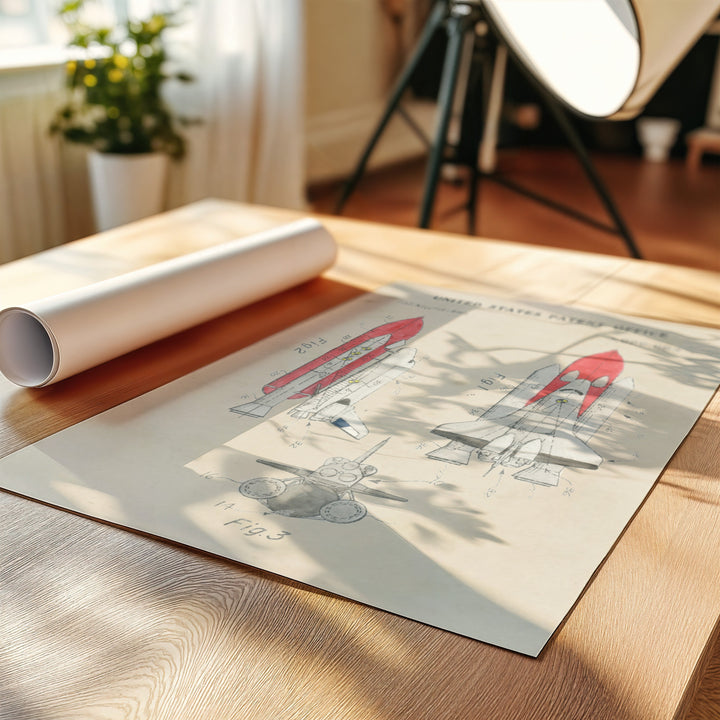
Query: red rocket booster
(607, 365)
(397, 331)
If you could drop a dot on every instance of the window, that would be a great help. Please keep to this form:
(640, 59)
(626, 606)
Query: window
(23, 23)
(31, 33)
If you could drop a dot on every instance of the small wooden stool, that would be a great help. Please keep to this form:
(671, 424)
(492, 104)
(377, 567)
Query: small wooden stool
(701, 141)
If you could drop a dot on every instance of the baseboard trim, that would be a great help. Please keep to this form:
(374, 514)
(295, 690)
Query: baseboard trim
(334, 140)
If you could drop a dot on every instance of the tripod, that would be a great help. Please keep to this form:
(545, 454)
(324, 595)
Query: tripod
(460, 18)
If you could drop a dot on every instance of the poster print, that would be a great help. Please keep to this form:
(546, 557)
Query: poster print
(462, 461)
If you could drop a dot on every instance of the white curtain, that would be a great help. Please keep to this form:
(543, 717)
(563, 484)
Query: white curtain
(248, 60)
(248, 96)
(32, 205)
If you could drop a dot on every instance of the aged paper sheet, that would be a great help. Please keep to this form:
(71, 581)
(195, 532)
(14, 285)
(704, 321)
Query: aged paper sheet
(462, 461)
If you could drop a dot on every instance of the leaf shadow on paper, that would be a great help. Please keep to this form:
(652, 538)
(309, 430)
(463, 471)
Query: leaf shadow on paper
(95, 638)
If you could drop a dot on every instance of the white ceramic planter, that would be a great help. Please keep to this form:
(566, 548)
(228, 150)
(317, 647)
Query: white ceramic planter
(126, 187)
(657, 136)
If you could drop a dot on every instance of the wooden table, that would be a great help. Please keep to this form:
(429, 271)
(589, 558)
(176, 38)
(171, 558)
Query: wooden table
(98, 622)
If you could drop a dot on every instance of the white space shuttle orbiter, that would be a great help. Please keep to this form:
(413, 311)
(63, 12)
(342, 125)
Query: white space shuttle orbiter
(544, 423)
(336, 405)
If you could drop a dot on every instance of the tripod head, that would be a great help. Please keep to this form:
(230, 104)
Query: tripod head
(460, 8)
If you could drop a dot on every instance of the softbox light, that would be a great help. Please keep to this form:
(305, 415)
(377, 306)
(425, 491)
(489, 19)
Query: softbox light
(602, 58)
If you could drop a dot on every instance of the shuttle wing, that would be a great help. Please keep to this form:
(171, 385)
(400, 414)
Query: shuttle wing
(368, 453)
(292, 469)
(569, 451)
(365, 490)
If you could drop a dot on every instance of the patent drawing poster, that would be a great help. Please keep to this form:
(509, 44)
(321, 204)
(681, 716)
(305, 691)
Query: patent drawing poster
(462, 461)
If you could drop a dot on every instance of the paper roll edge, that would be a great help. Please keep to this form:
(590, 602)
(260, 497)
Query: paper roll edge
(29, 354)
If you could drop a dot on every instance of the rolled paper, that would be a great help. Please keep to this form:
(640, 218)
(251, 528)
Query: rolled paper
(53, 338)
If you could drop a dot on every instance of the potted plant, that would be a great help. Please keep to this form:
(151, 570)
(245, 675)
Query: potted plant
(115, 106)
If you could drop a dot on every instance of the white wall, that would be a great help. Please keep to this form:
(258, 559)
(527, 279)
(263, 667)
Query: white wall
(43, 182)
(353, 52)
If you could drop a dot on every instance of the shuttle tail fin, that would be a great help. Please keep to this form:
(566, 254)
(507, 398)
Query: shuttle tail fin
(540, 474)
(254, 409)
(454, 452)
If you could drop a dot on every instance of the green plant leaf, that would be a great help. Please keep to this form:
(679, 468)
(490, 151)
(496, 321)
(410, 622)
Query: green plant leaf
(115, 100)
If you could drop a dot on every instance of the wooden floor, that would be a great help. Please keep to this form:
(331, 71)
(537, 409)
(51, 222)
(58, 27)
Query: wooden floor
(674, 214)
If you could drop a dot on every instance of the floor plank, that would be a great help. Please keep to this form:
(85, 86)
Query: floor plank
(673, 213)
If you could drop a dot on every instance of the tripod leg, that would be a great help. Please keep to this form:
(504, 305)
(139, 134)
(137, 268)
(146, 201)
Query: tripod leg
(473, 192)
(493, 110)
(577, 145)
(434, 21)
(463, 86)
(482, 128)
(456, 27)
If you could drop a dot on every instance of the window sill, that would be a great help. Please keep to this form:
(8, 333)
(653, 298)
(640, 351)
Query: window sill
(32, 58)
(38, 57)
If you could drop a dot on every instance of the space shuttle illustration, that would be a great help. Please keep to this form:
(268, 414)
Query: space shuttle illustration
(543, 425)
(352, 361)
(336, 405)
(326, 493)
